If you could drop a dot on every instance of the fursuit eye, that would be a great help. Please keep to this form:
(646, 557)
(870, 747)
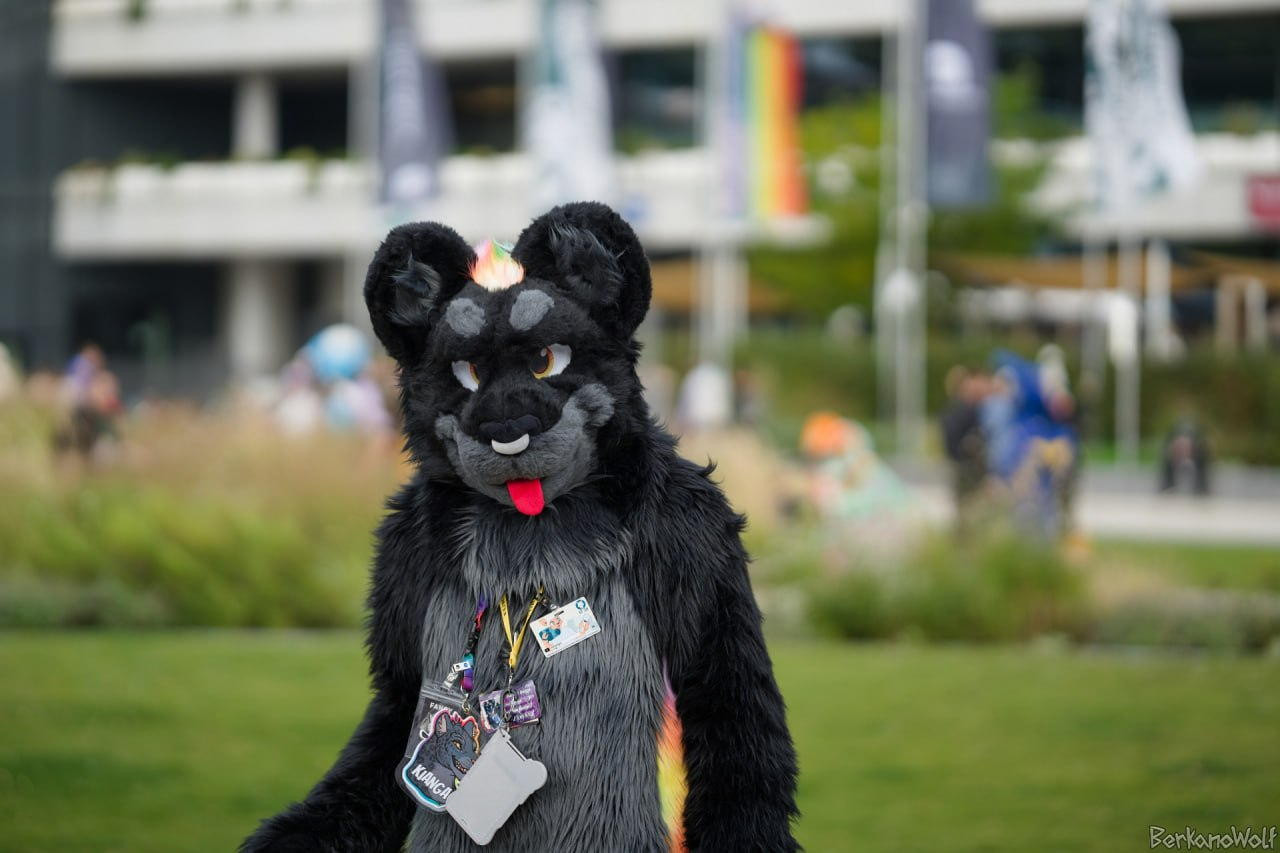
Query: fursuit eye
(551, 361)
(465, 373)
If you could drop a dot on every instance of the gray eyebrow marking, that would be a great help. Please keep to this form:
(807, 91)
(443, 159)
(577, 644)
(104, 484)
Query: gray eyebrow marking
(465, 317)
(529, 308)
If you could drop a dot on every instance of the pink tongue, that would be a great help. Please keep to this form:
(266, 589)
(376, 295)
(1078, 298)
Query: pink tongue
(526, 495)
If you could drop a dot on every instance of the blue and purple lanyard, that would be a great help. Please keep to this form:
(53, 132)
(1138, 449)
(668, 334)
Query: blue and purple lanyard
(469, 653)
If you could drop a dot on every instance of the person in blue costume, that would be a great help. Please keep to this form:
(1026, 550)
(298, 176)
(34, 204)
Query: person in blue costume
(1033, 440)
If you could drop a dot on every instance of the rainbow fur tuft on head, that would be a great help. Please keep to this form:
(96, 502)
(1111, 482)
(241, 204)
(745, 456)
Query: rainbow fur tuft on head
(494, 268)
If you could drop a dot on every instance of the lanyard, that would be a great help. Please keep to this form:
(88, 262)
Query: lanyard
(473, 639)
(466, 667)
(516, 640)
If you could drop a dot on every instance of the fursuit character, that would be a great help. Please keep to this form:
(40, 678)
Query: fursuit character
(540, 477)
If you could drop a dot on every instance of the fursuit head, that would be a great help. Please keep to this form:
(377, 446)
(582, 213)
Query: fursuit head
(539, 474)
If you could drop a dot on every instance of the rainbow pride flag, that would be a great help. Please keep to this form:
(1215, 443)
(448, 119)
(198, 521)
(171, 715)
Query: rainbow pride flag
(764, 88)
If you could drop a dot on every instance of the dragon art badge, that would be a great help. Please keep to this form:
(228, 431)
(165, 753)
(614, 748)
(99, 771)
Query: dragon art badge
(448, 745)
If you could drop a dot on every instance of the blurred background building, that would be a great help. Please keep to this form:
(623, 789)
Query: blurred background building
(189, 183)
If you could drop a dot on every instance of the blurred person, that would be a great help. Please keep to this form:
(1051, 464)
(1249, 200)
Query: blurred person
(335, 381)
(848, 479)
(92, 430)
(78, 378)
(90, 399)
(355, 405)
(1185, 458)
(965, 441)
(1035, 441)
(996, 413)
(863, 503)
(300, 408)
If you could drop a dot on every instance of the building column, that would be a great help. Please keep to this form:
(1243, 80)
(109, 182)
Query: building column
(1225, 311)
(256, 126)
(259, 317)
(1159, 301)
(1255, 315)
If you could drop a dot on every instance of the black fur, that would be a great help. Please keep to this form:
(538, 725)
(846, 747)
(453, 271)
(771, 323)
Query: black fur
(684, 564)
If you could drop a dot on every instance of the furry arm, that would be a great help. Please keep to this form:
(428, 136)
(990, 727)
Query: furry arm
(738, 752)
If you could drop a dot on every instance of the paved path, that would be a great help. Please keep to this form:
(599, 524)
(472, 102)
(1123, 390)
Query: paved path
(1134, 515)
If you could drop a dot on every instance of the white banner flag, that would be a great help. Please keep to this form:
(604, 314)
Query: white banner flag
(1136, 119)
(568, 125)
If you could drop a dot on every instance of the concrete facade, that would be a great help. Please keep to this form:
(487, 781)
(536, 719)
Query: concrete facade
(257, 216)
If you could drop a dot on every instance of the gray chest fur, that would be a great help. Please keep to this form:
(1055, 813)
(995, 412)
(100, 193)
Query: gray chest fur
(601, 699)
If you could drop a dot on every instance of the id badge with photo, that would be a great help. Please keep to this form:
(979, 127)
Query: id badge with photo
(565, 627)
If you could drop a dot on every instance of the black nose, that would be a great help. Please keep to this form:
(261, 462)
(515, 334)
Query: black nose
(510, 430)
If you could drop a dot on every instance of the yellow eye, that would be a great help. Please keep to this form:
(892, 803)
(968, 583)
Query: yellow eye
(465, 373)
(547, 360)
(551, 361)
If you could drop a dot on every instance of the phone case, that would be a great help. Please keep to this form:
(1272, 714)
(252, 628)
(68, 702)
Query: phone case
(499, 781)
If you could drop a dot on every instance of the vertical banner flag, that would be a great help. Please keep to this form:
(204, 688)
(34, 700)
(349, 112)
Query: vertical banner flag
(957, 81)
(568, 128)
(413, 119)
(764, 85)
(1134, 113)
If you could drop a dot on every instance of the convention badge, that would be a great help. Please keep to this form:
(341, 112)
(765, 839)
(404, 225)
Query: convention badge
(565, 627)
(499, 781)
(444, 744)
(516, 707)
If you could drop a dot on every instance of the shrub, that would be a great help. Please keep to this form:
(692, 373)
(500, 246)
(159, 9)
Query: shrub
(1218, 620)
(203, 520)
(998, 588)
(28, 602)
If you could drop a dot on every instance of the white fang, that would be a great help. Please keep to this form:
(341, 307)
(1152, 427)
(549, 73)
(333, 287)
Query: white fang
(511, 448)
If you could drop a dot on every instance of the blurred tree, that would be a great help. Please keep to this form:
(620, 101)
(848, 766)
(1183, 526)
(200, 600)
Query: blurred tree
(841, 147)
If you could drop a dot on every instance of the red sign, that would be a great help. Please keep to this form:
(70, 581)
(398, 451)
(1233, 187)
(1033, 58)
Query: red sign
(1264, 200)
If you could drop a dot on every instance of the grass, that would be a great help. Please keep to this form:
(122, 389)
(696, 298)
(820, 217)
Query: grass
(181, 741)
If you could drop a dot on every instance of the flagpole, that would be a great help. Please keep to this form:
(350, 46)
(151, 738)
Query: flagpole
(1129, 369)
(1093, 352)
(909, 246)
(886, 250)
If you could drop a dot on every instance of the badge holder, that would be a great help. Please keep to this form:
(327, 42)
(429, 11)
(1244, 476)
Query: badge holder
(460, 759)
(443, 746)
(496, 785)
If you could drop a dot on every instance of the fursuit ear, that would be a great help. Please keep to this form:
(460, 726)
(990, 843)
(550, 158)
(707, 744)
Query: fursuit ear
(591, 253)
(418, 267)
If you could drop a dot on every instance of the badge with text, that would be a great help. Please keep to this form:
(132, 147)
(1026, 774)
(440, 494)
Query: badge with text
(565, 626)
(443, 746)
(518, 706)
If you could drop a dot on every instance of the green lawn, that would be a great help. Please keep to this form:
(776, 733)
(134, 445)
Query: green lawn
(181, 741)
